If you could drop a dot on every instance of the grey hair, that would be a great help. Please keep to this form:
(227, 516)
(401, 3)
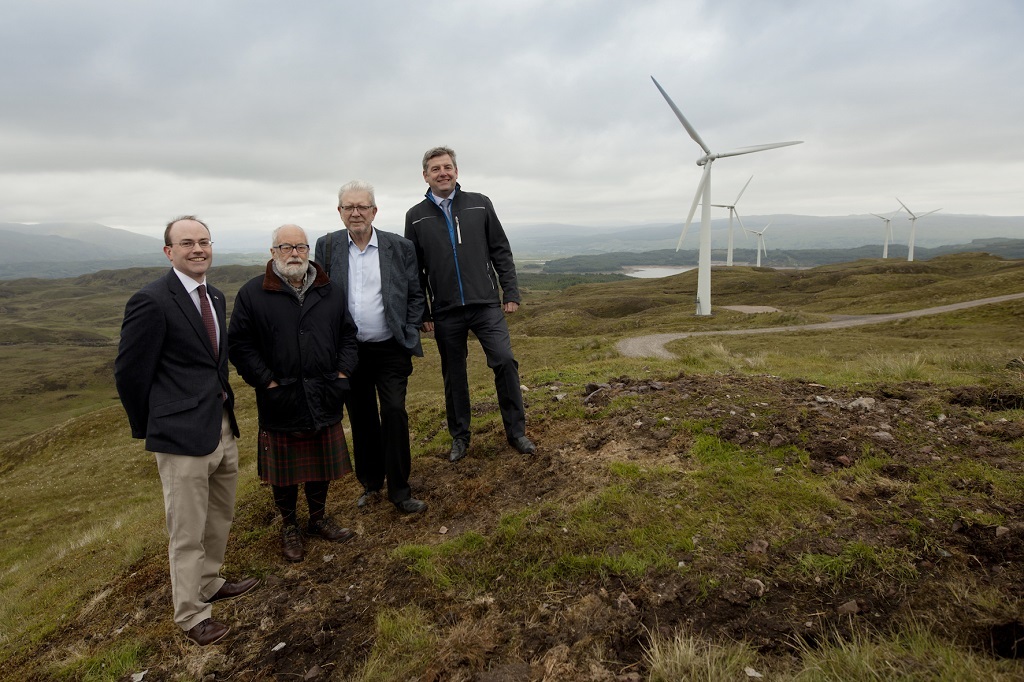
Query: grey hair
(357, 186)
(435, 152)
(276, 232)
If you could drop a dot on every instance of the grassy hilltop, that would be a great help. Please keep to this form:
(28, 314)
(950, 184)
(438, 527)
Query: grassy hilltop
(813, 505)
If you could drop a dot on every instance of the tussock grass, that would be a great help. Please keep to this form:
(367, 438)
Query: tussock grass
(685, 656)
(405, 642)
(112, 664)
(910, 653)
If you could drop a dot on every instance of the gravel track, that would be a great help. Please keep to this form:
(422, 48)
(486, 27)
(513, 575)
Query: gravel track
(653, 345)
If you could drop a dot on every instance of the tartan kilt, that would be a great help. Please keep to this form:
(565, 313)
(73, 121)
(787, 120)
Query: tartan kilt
(292, 457)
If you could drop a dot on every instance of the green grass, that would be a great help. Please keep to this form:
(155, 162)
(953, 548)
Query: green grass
(83, 505)
(108, 665)
(405, 641)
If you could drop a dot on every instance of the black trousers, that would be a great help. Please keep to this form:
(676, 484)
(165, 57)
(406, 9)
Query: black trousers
(380, 437)
(451, 331)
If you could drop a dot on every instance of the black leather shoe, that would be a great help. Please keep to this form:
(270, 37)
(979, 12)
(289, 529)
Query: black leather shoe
(366, 498)
(209, 631)
(459, 448)
(232, 590)
(523, 445)
(412, 506)
(329, 530)
(291, 544)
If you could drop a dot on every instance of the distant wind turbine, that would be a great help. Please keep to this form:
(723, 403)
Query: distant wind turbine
(913, 227)
(760, 242)
(733, 212)
(888, 231)
(704, 190)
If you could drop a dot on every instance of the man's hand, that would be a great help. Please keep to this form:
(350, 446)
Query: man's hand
(427, 327)
(273, 384)
(342, 375)
(510, 307)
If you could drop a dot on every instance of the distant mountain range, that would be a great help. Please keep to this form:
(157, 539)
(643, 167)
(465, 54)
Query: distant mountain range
(69, 249)
(786, 232)
(50, 250)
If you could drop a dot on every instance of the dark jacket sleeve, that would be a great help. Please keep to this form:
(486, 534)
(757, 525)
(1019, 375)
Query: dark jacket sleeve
(244, 343)
(416, 301)
(410, 234)
(501, 256)
(320, 252)
(348, 352)
(138, 355)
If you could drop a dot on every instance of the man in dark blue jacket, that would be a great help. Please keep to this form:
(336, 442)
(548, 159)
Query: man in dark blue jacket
(465, 258)
(292, 339)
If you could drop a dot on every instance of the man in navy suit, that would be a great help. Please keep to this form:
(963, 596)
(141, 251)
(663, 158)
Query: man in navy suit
(172, 376)
(379, 273)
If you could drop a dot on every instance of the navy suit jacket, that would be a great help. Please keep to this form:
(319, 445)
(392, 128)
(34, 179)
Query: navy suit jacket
(399, 281)
(169, 381)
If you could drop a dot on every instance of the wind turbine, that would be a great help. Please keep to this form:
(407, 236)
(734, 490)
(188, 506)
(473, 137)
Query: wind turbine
(704, 190)
(733, 212)
(888, 231)
(760, 242)
(913, 226)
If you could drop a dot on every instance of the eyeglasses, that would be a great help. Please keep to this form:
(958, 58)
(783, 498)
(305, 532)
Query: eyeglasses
(287, 248)
(189, 243)
(355, 208)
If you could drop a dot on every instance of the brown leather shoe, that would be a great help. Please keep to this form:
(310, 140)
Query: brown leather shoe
(291, 544)
(209, 631)
(329, 530)
(232, 590)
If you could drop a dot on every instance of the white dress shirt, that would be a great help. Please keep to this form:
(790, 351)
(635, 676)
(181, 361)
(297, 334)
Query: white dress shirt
(365, 298)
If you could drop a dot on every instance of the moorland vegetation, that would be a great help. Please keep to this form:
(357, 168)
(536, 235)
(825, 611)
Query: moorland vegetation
(809, 505)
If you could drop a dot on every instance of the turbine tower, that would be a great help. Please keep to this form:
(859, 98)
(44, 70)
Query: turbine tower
(704, 190)
(733, 212)
(760, 242)
(888, 231)
(913, 226)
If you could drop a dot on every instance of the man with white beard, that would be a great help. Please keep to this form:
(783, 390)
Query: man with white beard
(291, 338)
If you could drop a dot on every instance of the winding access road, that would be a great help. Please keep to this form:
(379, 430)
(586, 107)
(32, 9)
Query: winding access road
(653, 345)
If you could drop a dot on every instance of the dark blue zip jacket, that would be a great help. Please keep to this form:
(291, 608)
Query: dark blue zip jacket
(480, 259)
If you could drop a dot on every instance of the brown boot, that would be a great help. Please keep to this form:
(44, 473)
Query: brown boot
(329, 530)
(291, 544)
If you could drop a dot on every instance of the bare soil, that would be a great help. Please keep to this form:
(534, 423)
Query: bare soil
(324, 608)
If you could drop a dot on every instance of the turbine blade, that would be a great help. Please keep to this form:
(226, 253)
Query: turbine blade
(742, 191)
(765, 228)
(740, 220)
(693, 207)
(928, 213)
(879, 216)
(682, 119)
(757, 148)
(905, 208)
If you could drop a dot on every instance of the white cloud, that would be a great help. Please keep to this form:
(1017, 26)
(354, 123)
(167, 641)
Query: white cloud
(253, 113)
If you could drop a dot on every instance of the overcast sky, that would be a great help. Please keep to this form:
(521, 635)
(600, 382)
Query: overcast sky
(252, 114)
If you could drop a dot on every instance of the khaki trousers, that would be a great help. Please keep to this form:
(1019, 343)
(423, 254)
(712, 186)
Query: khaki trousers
(199, 500)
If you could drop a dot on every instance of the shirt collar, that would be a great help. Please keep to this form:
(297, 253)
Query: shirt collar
(437, 200)
(372, 242)
(186, 281)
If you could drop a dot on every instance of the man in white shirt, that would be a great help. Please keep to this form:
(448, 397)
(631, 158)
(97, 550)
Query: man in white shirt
(379, 271)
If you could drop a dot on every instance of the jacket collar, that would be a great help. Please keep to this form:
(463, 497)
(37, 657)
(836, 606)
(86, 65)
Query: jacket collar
(271, 282)
(432, 197)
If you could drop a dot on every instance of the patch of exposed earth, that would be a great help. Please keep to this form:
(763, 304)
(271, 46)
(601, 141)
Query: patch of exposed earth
(324, 609)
